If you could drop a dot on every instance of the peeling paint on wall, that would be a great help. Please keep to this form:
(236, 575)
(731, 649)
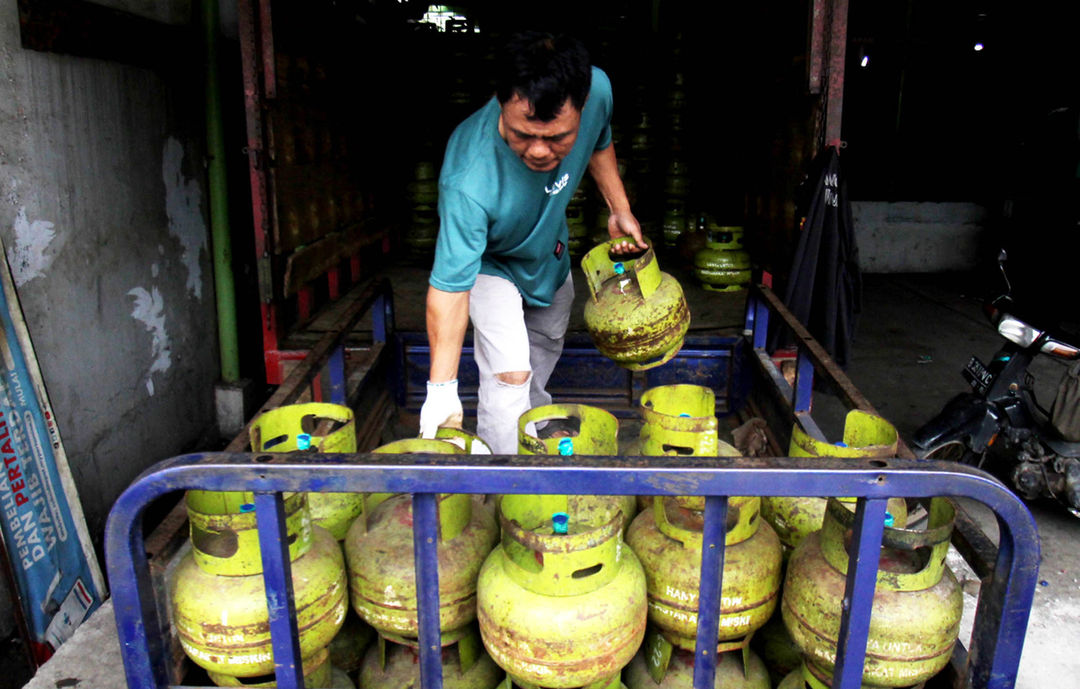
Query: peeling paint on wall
(183, 204)
(28, 257)
(150, 310)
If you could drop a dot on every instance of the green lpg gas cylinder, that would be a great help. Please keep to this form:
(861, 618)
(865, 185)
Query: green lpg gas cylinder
(803, 678)
(424, 188)
(680, 420)
(720, 269)
(347, 648)
(576, 224)
(223, 623)
(637, 316)
(224, 534)
(675, 667)
(776, 649)
(317, 675)
(677, 181)
(572, 429)
(561, 601)
(339, 679)
(674, 223)
(318, 427)
(668, 541)
(465, 665)
(865, 435)
(917, 603)
(613, 682)
(379, 550)
(726, 237)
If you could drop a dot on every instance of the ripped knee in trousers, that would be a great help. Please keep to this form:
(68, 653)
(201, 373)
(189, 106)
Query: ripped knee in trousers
(513, 377)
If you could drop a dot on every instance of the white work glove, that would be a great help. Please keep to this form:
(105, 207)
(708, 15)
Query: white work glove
(441, 408)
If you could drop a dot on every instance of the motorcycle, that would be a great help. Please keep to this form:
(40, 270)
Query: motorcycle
(1001, 412)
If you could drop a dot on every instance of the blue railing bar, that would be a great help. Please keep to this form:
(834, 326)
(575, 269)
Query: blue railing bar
(426, 552)
(141, 635)
(336, 366)
(760, 310)
(381, 316)
(804, 381)
(1002, 601)
(709, 590)
(807, 423)
(277, 577)
(599, 475)
(859, 592)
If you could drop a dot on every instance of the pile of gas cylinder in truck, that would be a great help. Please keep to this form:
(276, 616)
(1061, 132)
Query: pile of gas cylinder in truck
(564, 591)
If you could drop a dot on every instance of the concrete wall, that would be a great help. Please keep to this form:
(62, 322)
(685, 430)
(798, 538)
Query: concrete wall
(103, 216)
(917, 237)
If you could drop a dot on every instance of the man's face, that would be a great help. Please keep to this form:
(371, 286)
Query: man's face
(540, 145)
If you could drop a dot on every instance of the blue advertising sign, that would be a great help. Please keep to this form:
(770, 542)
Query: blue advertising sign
(56, 573)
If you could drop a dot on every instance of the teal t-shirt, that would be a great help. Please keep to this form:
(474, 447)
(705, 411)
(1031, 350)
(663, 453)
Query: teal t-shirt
(498, 217)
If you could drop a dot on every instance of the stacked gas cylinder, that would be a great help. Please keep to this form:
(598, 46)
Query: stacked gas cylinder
(917, 603)
(382, 578)
(423, 196)
(563, 591)
(218, 597)
(722, 265)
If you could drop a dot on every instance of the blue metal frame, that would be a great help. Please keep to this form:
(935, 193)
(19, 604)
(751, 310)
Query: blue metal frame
(1001, 618)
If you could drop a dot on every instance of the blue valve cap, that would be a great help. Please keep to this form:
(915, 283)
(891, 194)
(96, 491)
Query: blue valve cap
(560, 522)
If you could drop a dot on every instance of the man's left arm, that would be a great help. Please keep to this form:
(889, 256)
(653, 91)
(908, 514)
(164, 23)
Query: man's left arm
(621, 223)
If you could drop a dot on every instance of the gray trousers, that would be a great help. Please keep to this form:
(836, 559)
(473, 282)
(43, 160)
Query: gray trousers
(509, 336)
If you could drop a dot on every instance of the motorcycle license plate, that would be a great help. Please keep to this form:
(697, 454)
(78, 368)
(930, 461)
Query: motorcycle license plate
(978, 376)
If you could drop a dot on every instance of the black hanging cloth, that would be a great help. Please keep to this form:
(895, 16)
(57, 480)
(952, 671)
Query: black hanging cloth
(824, 287)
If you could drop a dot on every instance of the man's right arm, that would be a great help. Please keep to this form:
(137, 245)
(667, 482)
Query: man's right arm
(447, 318)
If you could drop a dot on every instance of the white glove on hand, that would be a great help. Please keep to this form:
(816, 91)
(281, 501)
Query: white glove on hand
(441, 408)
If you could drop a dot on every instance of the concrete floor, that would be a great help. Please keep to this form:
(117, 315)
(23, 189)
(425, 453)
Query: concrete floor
(915, 334)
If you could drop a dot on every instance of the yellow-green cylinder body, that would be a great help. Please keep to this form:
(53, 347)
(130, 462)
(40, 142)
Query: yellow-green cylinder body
(721, 269)
(339, 679)
(317, 675)
(395, 666)
(731, 672)
(776, 649)
(224, 533)
(917, 604)
(726, 237)
(223, 623)
(865, 435)
(668, 540)
(613, 682)
(347, 648)
(680, 420)
(803, 678)
(379, 550)
(319, 427)
(637, 316)
(582, 430)
(674, 222)
(561, 610)
(793, 680)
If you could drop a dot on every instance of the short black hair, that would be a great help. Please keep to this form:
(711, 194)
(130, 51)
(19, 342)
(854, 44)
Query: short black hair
(545, 70)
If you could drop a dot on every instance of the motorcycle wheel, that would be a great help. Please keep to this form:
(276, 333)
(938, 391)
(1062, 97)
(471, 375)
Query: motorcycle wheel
(953, 451)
